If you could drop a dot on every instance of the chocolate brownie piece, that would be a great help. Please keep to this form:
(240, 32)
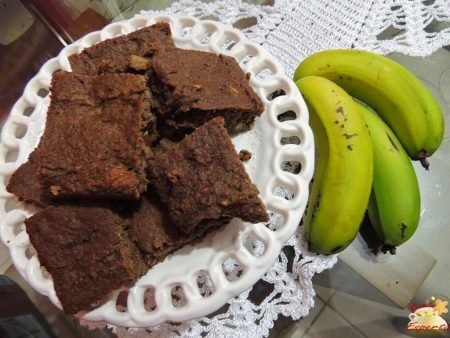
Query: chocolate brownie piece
(25, 185)
(202, 179)
(156, 236)
(87, 251)
(93, 145)
(152, 231)
(193, 87)
(116, 55)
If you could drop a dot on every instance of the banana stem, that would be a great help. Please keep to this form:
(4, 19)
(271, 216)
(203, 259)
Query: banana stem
(388, 248)
(423, 159)
(369, 235)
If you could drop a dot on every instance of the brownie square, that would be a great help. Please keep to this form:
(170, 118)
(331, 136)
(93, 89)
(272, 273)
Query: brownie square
(193, 87)
(25, 185)
(116, 55)
(93, 145)
(156, 236)
(87, 251)
(201, 179)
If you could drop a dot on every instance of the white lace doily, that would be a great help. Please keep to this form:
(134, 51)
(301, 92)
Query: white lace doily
(291, 30)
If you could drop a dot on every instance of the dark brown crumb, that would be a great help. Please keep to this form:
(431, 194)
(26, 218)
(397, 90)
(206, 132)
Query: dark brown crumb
(245, 155)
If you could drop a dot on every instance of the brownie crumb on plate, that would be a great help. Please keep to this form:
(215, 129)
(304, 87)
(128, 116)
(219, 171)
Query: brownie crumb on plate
(192, 87)
(87, 251)
(113, 55)
(94, 140)
(201, 179)
(245, 155)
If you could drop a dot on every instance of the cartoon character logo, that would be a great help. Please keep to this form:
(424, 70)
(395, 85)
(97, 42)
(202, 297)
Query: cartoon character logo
(428, 317)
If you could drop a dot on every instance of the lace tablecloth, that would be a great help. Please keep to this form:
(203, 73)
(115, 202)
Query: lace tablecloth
(291, 30)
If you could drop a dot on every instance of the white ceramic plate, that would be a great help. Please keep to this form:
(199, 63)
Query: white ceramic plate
(196, 280)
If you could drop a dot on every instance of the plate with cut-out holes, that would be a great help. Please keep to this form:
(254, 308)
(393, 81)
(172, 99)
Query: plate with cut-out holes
(196, 280)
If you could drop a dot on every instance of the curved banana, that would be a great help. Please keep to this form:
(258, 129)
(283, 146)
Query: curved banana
(394, 205)
(343, 175)
(403, 102)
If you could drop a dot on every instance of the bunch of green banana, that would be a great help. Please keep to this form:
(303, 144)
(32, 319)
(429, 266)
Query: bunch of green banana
(412, 112)
(394, 204)
(401, 99)
(343, 174)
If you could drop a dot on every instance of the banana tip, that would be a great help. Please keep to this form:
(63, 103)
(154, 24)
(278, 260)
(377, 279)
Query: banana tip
(385, 248)
(423, 159)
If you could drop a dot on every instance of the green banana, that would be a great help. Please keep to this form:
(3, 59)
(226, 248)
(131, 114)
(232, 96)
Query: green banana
(401, 99)
(394, 204)
(343, 174)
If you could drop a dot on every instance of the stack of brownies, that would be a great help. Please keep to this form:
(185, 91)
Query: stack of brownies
(135, 162)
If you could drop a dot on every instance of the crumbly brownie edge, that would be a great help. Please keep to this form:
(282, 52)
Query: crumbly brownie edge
(124, 262)
(258, 105)
(133, 255)
(145, 149)
(25, 185)
(211, 227)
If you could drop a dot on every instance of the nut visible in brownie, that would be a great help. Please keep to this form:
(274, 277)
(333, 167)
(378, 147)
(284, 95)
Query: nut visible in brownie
(25, 185)
(156, 236)
(87, 251)
(202, 179)
(138, 63)
(113, 55)
(192, 87)
(93, 144)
